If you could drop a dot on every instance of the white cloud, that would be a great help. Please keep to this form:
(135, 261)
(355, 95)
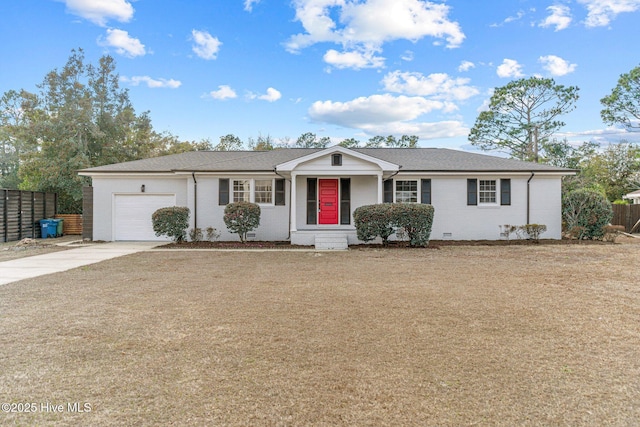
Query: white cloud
(353, 59)
(100, 11)
(556, 66)
(272, 95)
(223, 92)
(407, 56)
(424, 130)
(388, 115)
(437, 86)
(373, 109)
(363, 27)
(248, 4)
(206, 46)
(152, 83)
(518, 16)
(466, 66)
(601, 12)
(509, 68)
(123, 43)
(560, 17)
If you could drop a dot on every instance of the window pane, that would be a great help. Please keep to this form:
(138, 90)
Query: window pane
(487, 191)
(406, 191)
(264, 193)
(241, 190)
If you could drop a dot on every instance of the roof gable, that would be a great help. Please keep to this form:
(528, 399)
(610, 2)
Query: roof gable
(309, 159)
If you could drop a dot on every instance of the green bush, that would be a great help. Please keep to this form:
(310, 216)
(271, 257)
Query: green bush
(171, 222)
(242, 217)
(585, 213)
(415, 220)
(372, 221)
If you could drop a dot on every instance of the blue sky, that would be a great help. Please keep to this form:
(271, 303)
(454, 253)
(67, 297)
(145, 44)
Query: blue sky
(337, 68)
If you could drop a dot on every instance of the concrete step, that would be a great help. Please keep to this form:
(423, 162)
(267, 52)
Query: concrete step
(331, 242)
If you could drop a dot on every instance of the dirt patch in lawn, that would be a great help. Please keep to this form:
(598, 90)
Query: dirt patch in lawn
(463, 335)
(30, 247)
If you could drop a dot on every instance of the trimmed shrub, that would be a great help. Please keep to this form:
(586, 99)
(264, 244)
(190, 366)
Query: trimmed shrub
(171, 222)
(585, 213)
(195, 235)
(212, 234)
(533, 231)
(507, 230)
(372, 221)
(242, 217)
(414, 220)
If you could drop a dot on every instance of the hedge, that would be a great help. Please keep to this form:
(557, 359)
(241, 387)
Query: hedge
(382, 220)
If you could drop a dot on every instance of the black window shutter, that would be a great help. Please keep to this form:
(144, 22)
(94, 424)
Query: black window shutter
(345, 201)
(280, 195)
(388, 191)
(425, 185)
(472, 192)
(505, 192)
(223, 192)
(312, 201)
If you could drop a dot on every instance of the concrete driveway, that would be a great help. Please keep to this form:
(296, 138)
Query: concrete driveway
(38, 265)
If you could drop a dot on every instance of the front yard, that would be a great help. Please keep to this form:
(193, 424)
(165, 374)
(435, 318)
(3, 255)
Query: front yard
(461, 335)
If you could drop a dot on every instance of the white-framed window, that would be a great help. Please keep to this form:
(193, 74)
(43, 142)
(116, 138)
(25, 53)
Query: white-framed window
(487, 191)
(241, 190)
(406, 191)
(264, 191)
(253, 190)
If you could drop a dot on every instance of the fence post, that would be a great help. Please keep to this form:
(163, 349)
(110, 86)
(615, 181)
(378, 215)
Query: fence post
(5, 215)
(19, 215)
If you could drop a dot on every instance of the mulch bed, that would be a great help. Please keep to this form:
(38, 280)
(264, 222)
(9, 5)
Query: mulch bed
(433, 244)
(233, 245)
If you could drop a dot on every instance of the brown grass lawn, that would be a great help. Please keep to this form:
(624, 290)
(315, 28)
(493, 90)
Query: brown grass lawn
(462, 335)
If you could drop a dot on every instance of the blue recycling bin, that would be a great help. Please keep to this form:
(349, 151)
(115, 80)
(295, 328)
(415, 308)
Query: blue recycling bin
(48, 228)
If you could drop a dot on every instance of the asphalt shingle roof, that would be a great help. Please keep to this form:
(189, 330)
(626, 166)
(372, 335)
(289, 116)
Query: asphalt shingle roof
(410, 159)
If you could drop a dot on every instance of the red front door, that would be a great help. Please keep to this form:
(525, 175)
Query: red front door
(327, 201)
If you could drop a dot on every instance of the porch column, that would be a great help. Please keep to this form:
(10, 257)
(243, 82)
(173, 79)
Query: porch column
(293, 201)
(380, 188)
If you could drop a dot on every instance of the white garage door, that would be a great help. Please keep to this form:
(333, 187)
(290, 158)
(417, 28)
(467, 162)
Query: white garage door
(132, 217)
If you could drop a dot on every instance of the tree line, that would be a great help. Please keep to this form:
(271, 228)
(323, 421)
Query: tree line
(231, 142)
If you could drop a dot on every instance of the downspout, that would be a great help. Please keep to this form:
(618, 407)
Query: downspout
(290, 200)
(195, 200)
(393, 174)
(529, 197)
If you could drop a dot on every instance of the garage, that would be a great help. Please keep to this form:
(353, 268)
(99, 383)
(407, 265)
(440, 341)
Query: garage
(132, 215)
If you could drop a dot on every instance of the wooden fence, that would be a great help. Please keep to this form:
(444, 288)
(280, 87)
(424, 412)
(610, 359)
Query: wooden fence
(21, 212)
(71, 223)
(87, 213)
(626, 215)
